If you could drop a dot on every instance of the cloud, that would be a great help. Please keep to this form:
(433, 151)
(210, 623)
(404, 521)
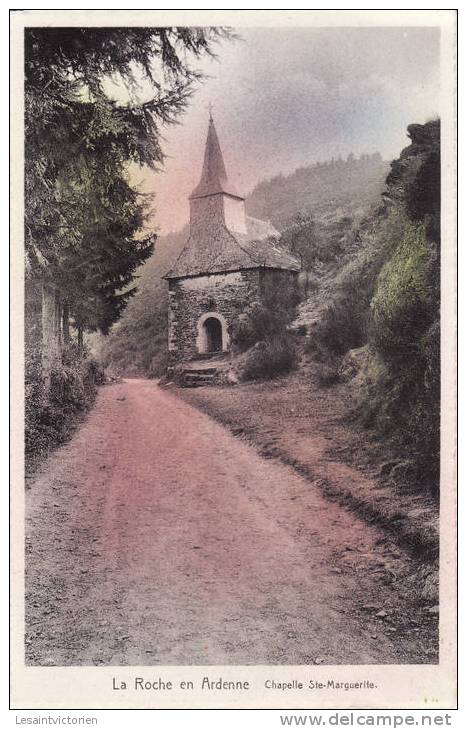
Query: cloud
(288, 97)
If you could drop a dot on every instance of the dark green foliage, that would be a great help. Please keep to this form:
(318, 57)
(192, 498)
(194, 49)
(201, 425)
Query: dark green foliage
(340, 328)
(401, 306)
(405, 315)
(82, 216)
(49, 416)
(262, 320)
(343, 323)
(317, 242)
(302, 241)
(257, 323)
(262, 329)
(137, 343)
(270, 358)
(401, 394)
(327, 374)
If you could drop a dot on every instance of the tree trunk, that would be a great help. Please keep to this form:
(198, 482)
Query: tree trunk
(50, 333)
(66, 323)
(80, 339)
(58, 321)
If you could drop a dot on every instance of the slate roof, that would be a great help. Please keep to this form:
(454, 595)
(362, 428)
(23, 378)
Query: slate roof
(225, 250)
(213, 177)
(211, 246)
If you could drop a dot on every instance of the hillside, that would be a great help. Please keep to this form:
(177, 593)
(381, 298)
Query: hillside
(361, 385)
(328, 191)
(137, 343)
(325, 202)
(376, 324)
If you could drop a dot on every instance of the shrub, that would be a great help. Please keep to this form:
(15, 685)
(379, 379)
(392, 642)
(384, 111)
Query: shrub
(401, 309)
(257, 323)
(49, 415)
(270, 358)
(269, 318)
(397, 405)
(405, 333)
(343, 324)
(327, 375)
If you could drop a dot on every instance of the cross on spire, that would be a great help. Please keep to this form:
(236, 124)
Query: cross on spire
(213, 177)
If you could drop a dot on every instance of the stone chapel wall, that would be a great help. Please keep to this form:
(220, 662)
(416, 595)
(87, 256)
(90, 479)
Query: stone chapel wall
(189, 298)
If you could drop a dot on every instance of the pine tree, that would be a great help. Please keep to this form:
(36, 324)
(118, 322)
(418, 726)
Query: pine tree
(83, 219)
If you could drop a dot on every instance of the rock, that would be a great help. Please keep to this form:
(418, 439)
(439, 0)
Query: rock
(369, 608)
(232, 378)
(352, 363)
(319, 660)
(382, 614)
(434, 610)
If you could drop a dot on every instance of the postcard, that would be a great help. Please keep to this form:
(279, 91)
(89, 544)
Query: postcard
(234, 359)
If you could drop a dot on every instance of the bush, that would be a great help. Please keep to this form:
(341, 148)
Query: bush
(343, 324)
(399, 404)
(257, 323)
(270, 358)
(50, 415)
(327, 375)
(269, 318)
(404, 335)
(400, 309)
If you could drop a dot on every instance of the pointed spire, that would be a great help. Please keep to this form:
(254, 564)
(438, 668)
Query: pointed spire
(213, 177)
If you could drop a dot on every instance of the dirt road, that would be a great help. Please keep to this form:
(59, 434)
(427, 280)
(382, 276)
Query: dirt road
(157, 537)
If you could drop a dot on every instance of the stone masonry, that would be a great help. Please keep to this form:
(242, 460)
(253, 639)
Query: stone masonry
(226, 264)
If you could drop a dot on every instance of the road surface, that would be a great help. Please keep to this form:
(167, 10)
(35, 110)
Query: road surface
(157, 537)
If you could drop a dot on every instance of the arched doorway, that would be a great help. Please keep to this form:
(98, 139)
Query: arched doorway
(212, 334)
(213, 329)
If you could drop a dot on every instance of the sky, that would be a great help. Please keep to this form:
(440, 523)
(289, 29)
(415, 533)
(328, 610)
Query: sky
(288, 97)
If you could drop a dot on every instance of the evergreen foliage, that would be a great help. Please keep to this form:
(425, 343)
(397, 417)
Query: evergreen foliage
(137, 343)
(83, 219)
(326, 190)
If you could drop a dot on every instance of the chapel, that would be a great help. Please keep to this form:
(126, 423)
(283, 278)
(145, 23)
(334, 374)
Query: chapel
(227, 262)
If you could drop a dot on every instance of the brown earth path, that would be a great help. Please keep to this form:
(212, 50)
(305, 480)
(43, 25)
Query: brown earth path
(156, 537)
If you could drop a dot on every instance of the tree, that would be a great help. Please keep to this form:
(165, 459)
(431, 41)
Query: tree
(300, 239)
(83, 218)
